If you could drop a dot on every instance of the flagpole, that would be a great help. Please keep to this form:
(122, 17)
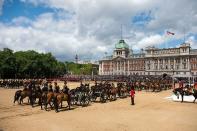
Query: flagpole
(121, 31)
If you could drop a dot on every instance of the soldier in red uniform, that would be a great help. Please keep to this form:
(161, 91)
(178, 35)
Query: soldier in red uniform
(132, 93)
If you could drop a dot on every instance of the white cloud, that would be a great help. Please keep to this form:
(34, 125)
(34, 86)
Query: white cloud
(150, 41)
(21, 21)
(47, 34)
(91, 27)
(192, 41)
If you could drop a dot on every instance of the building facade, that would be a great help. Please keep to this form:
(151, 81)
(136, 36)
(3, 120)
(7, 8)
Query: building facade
(152, 61)
(122, 62)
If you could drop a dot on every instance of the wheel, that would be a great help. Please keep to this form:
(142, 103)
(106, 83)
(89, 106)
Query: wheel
(87, 101)
(114, 97)
(93, 98)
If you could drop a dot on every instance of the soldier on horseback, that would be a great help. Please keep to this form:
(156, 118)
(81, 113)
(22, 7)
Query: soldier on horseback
(65, 88)
(50, 87)
(56, 88)
(45, 88)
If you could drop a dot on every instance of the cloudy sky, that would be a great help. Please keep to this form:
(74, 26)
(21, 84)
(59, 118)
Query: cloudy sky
(90, 28)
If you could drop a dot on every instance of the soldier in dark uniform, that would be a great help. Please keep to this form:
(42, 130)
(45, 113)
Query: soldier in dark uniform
(65, 88)
(50, 88)
(56, 88)
(38, 88)
(45, 88)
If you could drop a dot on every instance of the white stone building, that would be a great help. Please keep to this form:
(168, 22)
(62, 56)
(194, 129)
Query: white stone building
(154, 61)
(173, 61)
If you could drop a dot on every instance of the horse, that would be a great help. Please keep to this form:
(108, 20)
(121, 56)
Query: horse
(181, 91)
(36, 93)
(24, 94)
(17, 95)
(59, 98)
(47, 98)
(195, 94)
(178, 91)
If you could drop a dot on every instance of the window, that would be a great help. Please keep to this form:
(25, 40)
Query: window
(177, 67)
(161, 67)
(184, 66)
(148, 66)
(166, 66)
(172, 66)
(156, 66)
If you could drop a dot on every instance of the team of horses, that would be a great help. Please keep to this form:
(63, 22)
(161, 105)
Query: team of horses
(82, 95)
(100, 92)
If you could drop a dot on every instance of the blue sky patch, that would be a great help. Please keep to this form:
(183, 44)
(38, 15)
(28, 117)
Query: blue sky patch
(142, 18)
(171, 44)
(15, 8)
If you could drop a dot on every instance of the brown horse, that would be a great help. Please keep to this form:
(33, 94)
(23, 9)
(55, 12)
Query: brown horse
(59, 98)
(36, 94)
(24, 94)
(47, 98)
(17, 95)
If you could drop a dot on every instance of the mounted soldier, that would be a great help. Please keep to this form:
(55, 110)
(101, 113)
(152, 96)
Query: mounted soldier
(50, 87)
(65, 89)
(56, 88)
(45, 88)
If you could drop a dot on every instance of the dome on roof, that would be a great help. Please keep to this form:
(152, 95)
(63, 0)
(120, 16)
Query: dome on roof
(121, 45)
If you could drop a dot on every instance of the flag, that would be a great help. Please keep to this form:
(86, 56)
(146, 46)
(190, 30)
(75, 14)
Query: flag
(170, 33)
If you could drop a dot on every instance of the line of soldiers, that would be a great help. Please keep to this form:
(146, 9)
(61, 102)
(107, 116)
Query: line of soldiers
(10, 83)
(47, 87)
(31, 84)
(18, 83)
